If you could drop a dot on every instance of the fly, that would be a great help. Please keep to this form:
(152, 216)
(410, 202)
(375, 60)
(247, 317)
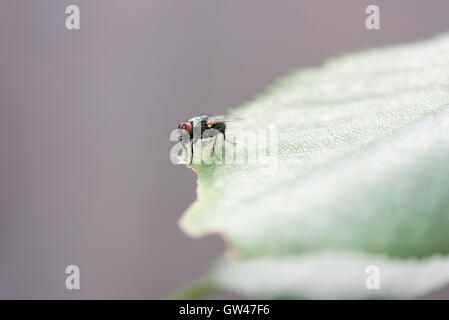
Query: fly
(205, 122)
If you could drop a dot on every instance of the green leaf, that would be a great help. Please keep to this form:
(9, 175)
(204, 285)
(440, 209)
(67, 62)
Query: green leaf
(362, 174)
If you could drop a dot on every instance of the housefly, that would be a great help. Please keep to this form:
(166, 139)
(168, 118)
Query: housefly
(199, 127)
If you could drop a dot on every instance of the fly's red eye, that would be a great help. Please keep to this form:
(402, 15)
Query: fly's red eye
(188, 127)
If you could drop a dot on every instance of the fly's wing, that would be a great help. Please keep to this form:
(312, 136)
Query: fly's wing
(211, 120)
(198, 118)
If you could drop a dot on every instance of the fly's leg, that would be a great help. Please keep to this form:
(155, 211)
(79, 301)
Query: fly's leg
(181, 140)
(193, 140)
(224, 137)
(185, 149)
(213, 147)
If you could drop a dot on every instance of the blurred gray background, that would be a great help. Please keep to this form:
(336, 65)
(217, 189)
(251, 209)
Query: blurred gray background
(85, 117)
